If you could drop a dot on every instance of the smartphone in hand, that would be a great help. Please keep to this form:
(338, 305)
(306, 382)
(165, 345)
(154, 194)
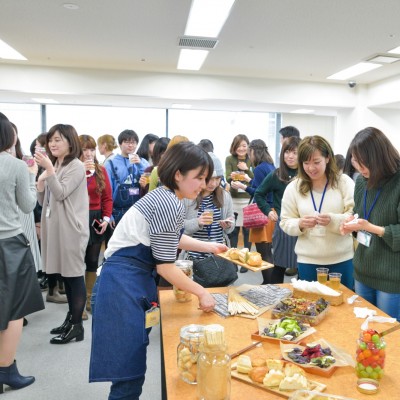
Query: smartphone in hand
(96, 225)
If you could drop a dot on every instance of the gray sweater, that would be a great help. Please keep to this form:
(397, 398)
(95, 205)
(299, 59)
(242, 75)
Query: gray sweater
(17, 190)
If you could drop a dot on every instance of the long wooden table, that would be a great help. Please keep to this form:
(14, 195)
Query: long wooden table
(340, 327)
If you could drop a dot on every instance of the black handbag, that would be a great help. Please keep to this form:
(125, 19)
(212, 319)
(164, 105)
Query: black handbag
(214, 271)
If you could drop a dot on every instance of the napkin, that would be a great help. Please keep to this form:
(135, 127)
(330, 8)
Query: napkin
(364, 325)
(313, 287)
(363, 312)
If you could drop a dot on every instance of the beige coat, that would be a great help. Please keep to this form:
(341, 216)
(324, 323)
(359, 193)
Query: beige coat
(65, 231)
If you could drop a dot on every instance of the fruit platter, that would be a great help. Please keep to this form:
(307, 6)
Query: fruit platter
(286, 330)
(303, 310)
(320, 358)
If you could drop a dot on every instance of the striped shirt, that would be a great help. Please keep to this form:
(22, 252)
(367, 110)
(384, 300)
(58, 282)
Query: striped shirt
(156, 220)
(213, 232)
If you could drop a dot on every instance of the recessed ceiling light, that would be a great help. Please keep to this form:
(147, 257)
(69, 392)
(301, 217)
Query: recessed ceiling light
(354, 70)
(8, 53)
(384, 59)
(43, 100)
(207, 17)
(191, 59)
(71, 6)
(396, 50)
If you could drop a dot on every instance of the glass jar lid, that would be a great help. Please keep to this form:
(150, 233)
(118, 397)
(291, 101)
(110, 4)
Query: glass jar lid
(183, 264)
(192, 332)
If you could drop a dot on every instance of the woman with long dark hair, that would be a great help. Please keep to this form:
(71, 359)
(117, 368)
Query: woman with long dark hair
(62, 191)
(377, 198)
(263, 164)
(275, 184)
(240, 161)
(20, 293)
(146, 147)
(100, 210)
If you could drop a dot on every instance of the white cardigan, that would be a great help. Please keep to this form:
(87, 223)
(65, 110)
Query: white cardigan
(332, 248)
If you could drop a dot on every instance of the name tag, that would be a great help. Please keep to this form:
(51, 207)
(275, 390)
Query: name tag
(48, 213)
(133, 191)
(364, 238)
(152, 317)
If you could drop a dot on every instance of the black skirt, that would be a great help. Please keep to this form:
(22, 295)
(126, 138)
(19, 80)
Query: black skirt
(94, 237)
(20, 294)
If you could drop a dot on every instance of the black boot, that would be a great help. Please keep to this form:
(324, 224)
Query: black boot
(63, 326)
(11, 377)
(73, 331)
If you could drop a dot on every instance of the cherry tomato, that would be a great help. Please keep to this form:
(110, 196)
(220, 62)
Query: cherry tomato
(367, 337)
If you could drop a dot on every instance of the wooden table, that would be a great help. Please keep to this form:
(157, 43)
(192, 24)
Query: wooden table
(340, 327)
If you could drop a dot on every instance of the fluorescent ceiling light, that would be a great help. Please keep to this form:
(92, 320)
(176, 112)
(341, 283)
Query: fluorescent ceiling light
(42, 100)
(355, 70)
(8, 53)
(207, 17)
(395, 50)
(303, 111)
(384, 59)
(178, 105)
(191, 59)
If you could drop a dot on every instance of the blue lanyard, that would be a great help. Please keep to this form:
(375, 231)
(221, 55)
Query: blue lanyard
(322, 199)
(367, 214)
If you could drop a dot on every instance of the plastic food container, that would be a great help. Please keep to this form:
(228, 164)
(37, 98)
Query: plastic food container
(278, 312)
(313, 395)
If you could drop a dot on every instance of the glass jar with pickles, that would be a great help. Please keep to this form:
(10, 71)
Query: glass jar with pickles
(191, 337)
(186, 266)
(370, 355)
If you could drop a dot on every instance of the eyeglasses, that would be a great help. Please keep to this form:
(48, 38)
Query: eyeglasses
(129, 142)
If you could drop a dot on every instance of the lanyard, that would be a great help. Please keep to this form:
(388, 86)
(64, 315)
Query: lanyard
(367, 214)
(322, 199)
(129, 167)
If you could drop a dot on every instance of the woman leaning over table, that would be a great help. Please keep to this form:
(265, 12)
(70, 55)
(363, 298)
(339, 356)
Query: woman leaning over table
(145, 242)
(377, 202)
(100, 209)
(275, 183)
(313, 207)
(263, 164)
(19, 289)
(63, 194)
(239, 161)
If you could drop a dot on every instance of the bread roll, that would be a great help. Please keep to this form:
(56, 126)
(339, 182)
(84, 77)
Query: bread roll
(254, 259)
(257, 374)
(258, 362)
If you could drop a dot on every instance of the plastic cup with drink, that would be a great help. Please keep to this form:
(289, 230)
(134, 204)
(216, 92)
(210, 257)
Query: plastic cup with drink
(322, 275)
(334, 280)
(209, 213)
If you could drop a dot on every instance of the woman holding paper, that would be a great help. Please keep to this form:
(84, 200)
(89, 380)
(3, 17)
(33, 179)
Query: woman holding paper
(377, 199)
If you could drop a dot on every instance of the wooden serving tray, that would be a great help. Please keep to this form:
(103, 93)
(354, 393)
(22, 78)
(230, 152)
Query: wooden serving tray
(264, 264)
(312, 385)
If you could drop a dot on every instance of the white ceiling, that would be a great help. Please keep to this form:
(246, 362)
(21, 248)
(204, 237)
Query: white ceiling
(305, 40)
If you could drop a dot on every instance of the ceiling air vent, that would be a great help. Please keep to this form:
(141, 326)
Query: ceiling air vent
(195, 42)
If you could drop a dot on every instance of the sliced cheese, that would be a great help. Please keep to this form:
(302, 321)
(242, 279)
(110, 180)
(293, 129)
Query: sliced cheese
(294, 382)
(273, 378)
(244, 364)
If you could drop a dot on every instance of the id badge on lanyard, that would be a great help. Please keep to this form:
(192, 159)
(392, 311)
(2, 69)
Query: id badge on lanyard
(364, 237)
(318, 230)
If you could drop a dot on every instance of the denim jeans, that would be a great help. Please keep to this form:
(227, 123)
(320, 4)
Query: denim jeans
(308, 272)
(234, 237)
(387, 302)
(126, 390)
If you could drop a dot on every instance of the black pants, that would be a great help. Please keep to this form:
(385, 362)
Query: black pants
(234, 237)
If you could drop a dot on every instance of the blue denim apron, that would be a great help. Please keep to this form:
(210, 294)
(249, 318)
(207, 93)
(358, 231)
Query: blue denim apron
(122, 294)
